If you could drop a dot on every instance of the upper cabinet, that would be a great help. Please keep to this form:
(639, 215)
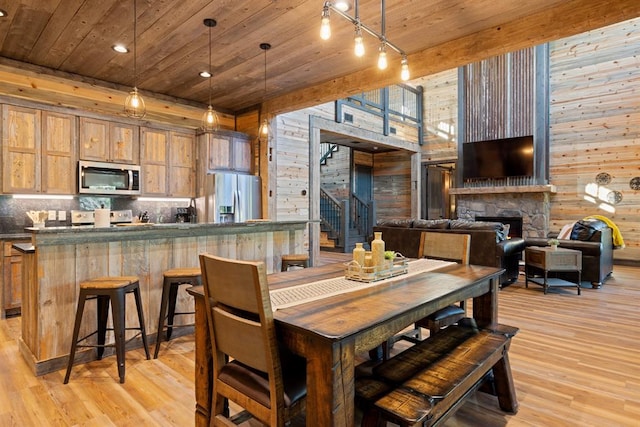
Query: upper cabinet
(38, 151)
(105, 141)
(225, 151)
(168, 163)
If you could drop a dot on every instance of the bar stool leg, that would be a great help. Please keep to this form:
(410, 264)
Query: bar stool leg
(118, 312)
(163, 311)
(102, 310)
(76, 330)
(173, 296)
(143, 330)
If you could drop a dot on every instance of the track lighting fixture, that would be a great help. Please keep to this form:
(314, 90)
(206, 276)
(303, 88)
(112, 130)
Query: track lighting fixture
(325, 34)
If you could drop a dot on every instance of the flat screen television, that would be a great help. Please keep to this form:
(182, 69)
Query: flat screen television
(498, 158)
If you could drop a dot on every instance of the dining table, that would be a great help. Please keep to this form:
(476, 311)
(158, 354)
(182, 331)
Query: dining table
(332, 331)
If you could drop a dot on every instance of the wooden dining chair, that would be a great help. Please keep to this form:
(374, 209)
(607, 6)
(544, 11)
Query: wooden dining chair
(248, 366)
(448, 247)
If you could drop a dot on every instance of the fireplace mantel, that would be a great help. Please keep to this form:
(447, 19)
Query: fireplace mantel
(505, 190)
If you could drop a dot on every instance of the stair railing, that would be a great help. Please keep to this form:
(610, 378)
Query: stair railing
(326, 151)
(361, 215)
(330, 213)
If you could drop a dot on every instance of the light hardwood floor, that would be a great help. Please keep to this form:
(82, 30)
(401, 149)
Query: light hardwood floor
(575, 362)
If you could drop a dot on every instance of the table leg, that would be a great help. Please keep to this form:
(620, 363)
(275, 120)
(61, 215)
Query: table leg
(485, 307)
(505, 390)
(330, 384)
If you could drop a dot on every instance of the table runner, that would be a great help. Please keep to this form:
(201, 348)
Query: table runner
(300, 294)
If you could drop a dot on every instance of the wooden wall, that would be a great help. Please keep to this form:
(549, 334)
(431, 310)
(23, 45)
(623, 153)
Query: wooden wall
(595, 127)
(440, 116)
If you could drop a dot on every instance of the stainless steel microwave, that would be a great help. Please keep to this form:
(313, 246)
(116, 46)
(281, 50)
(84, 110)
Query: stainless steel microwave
(108, 178)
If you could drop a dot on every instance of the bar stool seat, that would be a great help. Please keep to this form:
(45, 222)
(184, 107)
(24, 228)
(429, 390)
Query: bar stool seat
(108, 289)
(297, 260)
(173, 279)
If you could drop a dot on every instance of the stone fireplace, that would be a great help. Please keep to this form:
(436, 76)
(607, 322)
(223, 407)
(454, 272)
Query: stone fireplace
(531, 203)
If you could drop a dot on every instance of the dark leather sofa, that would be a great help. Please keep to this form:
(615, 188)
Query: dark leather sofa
(489, 245)
(594, 239)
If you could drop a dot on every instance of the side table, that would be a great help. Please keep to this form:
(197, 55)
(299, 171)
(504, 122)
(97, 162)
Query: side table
(545, 260)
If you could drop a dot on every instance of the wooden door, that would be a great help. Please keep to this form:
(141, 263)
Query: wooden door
(94, 139)
(182, 165)
(154, 162)
(21, 141)
(59, 168)
(124, 143)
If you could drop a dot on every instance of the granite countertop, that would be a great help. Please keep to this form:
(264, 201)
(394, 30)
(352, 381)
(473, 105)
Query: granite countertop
(14, 236)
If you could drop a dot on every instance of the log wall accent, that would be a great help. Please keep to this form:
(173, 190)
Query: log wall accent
(63, 259)
(595, 126)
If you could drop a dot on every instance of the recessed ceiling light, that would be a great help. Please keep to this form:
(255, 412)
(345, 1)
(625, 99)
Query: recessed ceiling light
(120, 48)
(342, 5)
(3, 13)
(205, 74)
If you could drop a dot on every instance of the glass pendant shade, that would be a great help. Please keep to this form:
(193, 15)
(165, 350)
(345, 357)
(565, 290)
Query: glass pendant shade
(404, 72)
(325, 25)
(134, 105)
(382, 58)
(210, 120)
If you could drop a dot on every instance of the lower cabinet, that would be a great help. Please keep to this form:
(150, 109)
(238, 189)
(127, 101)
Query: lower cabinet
(11, 279)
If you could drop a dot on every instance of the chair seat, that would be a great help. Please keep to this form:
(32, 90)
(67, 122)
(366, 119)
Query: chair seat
(182, 272)
(255, 383)
(295, 257)
(447, 312)
(108, 282)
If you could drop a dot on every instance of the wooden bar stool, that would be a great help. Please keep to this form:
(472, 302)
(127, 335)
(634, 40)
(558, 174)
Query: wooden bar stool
(105, 290)
(297, 260)
(173, 279)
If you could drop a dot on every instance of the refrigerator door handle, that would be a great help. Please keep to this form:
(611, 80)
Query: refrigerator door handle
(239, 213)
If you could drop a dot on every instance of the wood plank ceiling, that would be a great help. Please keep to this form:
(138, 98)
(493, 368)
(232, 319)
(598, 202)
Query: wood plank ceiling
(73, 38)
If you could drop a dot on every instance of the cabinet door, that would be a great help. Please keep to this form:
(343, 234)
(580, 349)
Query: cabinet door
(21, 133)
(242, 154)
(124, 143)
(58, 153)
(154, 161)
(219, 152)
(94, 139)
(182, 165)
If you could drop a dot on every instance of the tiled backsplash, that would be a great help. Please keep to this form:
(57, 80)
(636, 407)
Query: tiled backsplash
(13, 217)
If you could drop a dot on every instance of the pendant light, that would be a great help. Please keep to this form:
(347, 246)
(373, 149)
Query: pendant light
(210, 118)
(134, 104)
(265, 128)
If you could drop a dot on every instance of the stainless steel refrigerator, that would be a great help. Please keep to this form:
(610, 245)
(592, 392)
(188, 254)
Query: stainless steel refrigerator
(230, 197)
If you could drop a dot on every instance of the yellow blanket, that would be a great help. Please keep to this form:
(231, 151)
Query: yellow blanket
(618, 241)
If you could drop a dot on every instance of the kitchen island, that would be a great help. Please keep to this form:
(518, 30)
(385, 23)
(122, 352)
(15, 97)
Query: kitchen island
(59, 258)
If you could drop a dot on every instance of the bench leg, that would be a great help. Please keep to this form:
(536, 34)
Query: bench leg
(504, 385)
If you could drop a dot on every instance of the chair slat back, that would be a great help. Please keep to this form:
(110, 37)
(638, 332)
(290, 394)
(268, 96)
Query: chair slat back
(445, 246)
(239, 311)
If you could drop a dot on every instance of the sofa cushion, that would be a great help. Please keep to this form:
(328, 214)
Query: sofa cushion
(439, 224)
(498, 227)
(401, 223)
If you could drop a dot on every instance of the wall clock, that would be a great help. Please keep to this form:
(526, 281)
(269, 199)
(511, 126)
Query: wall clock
(614, 197)
(603, 178)
(635, 183)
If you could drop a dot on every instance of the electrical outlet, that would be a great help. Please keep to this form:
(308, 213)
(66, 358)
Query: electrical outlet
(52, 216)
(62, 215)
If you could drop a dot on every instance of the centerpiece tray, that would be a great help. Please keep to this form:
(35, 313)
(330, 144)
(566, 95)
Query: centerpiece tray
(355, 271)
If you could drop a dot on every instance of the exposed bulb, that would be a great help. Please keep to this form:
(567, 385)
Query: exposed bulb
(325, 25)
(264, 128)
(404, 72)
(210, 120)
(134, 105)
(382, 58)
(359, 44)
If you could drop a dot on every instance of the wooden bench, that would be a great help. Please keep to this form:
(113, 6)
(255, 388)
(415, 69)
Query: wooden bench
(426, 383)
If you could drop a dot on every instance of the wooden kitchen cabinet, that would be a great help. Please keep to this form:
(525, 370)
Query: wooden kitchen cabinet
(38, 151)
(11, 279)
(225, 151)
(105, 141)
(168, 163)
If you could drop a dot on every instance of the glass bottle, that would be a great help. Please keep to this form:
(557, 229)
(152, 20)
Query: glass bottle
(358, 254)
(377, 251)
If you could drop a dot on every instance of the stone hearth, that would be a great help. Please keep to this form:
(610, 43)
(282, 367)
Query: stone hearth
(529, 202)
